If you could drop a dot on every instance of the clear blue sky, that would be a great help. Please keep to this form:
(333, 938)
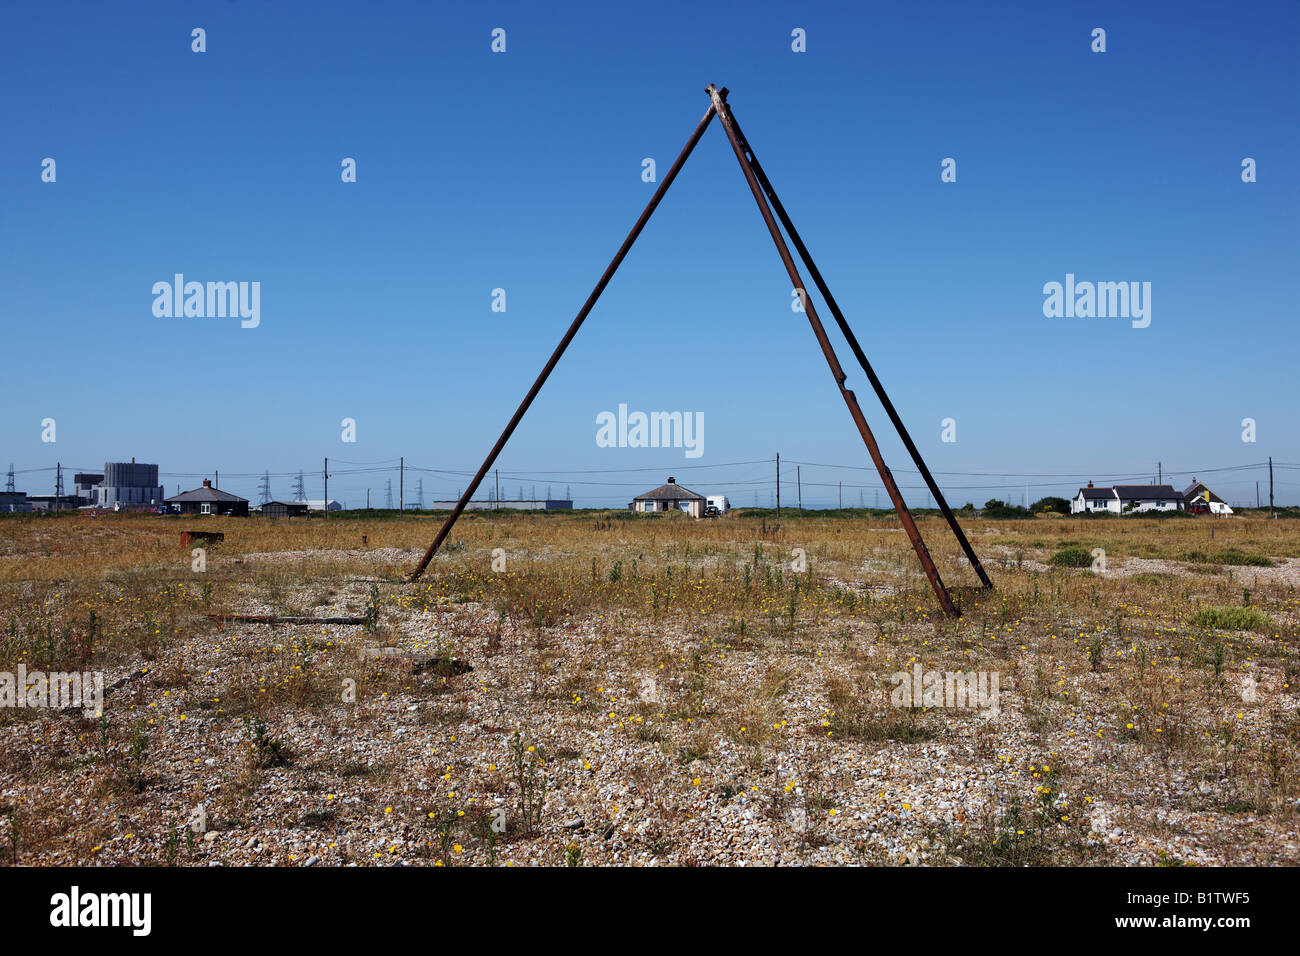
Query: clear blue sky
(522, 171)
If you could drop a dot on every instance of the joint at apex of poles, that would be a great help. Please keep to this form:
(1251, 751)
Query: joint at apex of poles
(721, 91)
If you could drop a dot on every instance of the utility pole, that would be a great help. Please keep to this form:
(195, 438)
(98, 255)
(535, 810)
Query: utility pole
(1270, 486)
(497, 474)
(1160, 473)
(326, 509)
(778, 484)
(367, 499)
(58, 483)
(798, 486)
(216, 479)
(841, 494)
(401, 485)
(1257, 496)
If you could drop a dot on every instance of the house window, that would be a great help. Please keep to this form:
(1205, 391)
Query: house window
(206, 508)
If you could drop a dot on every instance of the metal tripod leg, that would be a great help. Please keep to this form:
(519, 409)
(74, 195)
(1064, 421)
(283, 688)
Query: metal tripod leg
(564, 342)
(852, 339)
(904, 515)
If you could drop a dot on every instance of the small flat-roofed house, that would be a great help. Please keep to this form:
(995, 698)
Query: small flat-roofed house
(284, 509)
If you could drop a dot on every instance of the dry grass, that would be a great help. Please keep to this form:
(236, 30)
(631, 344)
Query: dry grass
(643, 654)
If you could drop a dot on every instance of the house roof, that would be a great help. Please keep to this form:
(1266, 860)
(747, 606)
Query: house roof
(670, 492)
(206, 493)
(1198, 490)
(287, 504)
(1146, 492)
(1095, 493)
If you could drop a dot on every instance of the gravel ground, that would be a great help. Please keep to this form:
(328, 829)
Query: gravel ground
(754, 778)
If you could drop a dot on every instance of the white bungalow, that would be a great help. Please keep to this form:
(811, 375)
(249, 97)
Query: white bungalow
(1126, 499)
(1091, 499)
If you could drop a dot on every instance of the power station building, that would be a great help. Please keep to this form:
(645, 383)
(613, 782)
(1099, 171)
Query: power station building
(128, 484)
(86, 487)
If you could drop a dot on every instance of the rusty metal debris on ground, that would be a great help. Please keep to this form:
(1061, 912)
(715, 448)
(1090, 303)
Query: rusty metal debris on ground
(764, 193)
(285, 619)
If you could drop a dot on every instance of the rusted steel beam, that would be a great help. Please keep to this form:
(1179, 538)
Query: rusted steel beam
(904, 515)
(285, 619)
(852, 339)
(564, 342)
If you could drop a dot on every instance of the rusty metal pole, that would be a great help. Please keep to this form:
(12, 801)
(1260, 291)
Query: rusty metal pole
(852, 339)
(564, 342)
(904, 515)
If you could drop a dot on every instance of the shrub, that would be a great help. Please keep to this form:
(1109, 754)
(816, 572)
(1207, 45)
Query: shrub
(1234, 556)
(263, 749)
(1230, 618)
(995, 508)
(531, 784)
(1072, 558)
(370, 620)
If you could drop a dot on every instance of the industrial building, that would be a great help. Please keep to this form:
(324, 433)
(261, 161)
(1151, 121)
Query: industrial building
(86, 486)
(123, 484)
(208, 501)
(127, 484)
(54, 502)
(14, 501)
(536, 504)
